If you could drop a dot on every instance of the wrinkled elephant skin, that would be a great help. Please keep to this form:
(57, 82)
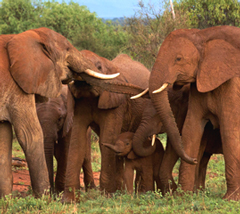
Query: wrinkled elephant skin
(108, 114)
(52, 117)
(34, 62)
(147, 168)
(209, 60)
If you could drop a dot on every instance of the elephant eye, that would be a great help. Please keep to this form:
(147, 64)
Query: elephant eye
(127, 144)
(45, 49)
(179, 58)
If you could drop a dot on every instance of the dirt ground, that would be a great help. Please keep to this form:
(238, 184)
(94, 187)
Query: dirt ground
(21, 178)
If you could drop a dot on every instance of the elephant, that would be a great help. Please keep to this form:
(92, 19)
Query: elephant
(95, 104)
(151, 124)
(108, 114)
(209, 60)
(52, 117)
(147, 168)
(33, 66)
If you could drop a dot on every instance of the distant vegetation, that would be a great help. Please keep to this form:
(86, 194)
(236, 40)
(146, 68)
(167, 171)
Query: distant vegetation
(139, 36)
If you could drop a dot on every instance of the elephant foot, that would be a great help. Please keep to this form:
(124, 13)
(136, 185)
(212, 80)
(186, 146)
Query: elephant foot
(169, 188)
(90, 186)
(69, 196)
(233, 195)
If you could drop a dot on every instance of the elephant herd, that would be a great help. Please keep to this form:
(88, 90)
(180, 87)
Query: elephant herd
(192, 94)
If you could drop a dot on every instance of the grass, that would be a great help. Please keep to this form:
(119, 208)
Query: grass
(208, 201)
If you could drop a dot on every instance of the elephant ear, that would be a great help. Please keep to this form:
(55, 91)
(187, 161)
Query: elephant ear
(109, 100)
(31, 66)
(221, 62)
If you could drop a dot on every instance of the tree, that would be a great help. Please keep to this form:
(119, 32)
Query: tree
(83, 28)
(148, 28)
(18, 15)
(207, 13)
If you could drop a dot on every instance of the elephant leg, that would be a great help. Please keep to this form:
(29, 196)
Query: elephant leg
(200, 180)
(88, 175)
(30, 136)
(77, 149)
(137, 181)
(156, 177)
(49, 152)
(203, 158)
(111, 177)
(147, 183)
(191, 135)
(170, 158)
(87, 165)
(6, 180)
(129, 177)
(61, 155)
(231, 150)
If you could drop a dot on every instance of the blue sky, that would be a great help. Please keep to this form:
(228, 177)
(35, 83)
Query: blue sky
(114, 8)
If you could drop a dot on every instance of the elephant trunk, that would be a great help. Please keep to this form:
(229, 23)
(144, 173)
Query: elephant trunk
(112, 147)
(141, 136)
(49, 152)
(162, 105)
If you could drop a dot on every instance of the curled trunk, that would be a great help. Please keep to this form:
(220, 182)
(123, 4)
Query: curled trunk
(149, 125)
(162, 105)
(139, 138)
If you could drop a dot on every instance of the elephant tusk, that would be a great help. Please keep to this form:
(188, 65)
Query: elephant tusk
(101, 76)
(165, 85)
(139, 95)
(71, 83)
(153, 139)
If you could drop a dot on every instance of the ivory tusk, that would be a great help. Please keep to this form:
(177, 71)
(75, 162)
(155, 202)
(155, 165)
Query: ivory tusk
(71, 82)
(165, 85)
(153, 139)
(99, 75)
(139, 95)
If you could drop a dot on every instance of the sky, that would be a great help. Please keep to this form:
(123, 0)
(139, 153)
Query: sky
(114, 8)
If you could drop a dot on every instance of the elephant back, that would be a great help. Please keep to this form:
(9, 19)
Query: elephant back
(134, 72)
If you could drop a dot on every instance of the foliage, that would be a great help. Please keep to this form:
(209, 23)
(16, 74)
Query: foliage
(93, 201)
(147, 30)
(95, 153)
(208, 13)
(83, 28)
(18, 15)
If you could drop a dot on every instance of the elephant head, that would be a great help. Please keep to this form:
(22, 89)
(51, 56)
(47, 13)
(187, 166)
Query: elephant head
(107, 100)
(41, 58)
(120, 83)
(189, 56)
(124, 145)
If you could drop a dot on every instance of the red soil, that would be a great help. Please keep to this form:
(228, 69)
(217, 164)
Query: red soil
(21, 178)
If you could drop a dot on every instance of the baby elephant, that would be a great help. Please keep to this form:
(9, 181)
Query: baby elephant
(147, 168)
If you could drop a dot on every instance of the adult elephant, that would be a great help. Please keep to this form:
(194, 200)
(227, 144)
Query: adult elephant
(34, 62)
(108, 114)
(151, 124)
(209, 59)
(52, 117)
